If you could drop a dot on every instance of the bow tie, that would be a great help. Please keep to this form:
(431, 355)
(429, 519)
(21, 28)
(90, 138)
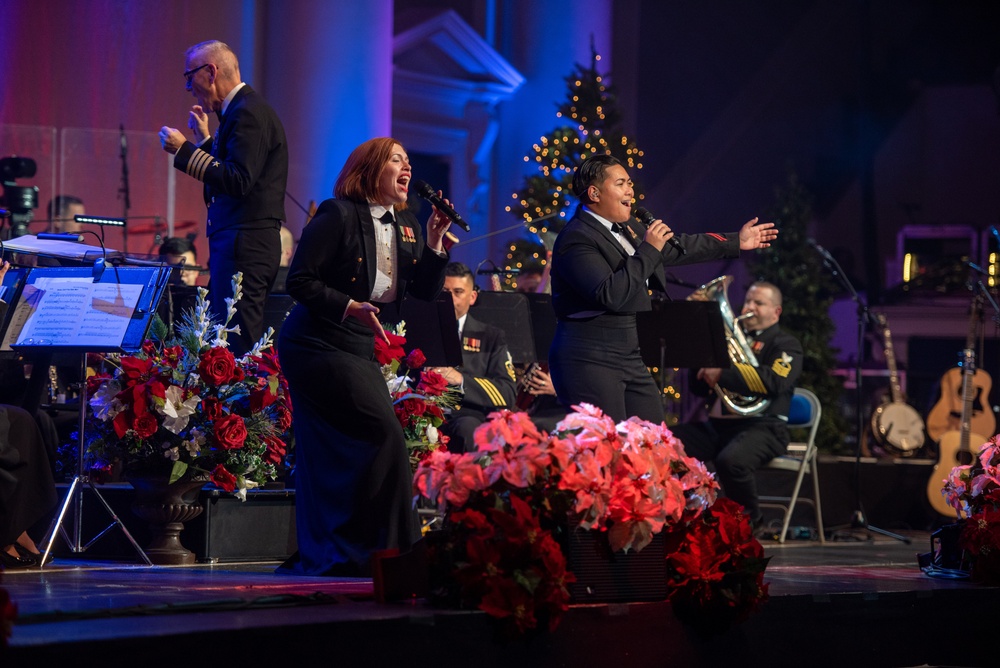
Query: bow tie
(386, 218)
(625, 231)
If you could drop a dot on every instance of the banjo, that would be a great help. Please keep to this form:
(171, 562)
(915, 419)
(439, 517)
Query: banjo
(896, 425)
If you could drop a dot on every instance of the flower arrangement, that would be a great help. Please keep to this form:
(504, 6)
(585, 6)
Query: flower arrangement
(717, 568)
(973, 490)
(421, 410)
(508, 505)
(188, 407)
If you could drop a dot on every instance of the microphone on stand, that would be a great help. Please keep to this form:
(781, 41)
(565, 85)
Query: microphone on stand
(819, 249)
(646, 218)
(425, 191)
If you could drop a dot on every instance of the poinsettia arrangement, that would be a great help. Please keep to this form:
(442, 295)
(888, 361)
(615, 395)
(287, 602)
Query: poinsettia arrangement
(420, 409)
(717, 567)
(973, 490)
(188, 407)
(509, 503)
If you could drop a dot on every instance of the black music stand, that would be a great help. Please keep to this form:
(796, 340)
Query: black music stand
(511, 313)
(70, 309)
(687, 335)
(431, 326)
(684, 334)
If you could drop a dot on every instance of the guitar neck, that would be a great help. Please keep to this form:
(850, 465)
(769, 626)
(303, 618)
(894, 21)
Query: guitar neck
(890, 361)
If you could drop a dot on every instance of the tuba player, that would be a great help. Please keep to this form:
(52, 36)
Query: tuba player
(740, 443)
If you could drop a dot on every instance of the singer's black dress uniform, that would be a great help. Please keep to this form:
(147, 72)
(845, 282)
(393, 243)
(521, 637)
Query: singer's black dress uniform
(597, 288)
(353, 486)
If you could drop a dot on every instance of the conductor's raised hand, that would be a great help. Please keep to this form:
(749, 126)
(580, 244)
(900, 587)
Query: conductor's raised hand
(437, 225)
(171, 139)
(198, 123)
(367, 313)
(757, 235)
(657, 235)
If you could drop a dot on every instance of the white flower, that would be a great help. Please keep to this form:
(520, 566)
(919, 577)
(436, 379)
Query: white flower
(177, 412)
(103, 403)
(171, 453)
(241, 492)
(432, 433)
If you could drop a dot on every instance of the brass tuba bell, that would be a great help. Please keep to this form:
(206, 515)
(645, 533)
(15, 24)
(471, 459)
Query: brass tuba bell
(736, 343)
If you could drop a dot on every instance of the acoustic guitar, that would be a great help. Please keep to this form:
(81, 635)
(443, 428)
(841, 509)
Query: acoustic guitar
(954, 447)
(946, 414)
(896, 425)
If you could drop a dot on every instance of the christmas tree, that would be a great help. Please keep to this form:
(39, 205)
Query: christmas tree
(807, 293)
(591, 125)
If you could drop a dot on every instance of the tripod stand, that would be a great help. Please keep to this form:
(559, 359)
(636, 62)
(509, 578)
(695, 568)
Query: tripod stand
(858, 518)
(74, 496)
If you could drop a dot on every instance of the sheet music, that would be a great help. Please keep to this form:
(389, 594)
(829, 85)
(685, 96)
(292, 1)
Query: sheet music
(64, 311)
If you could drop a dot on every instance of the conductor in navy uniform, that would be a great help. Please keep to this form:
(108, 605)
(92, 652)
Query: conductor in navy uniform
(244, 169)
(604, 264)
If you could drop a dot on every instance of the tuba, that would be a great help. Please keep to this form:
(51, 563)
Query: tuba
(736, 343)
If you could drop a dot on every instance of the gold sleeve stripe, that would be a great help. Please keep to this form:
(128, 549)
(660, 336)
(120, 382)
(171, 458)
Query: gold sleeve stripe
(492, 391)
(751, 378)
(198, 163)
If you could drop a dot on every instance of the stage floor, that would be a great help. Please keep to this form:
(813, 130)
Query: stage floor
(860, 599)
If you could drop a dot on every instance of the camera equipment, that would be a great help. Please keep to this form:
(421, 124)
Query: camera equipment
(20, 201)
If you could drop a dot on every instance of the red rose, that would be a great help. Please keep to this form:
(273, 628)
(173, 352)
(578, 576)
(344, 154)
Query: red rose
(145, 425)
(217, 366)
(223, 478)
(415, 359)
(238, 375)
(387, 352)
(230, 432)
(284, 418)
(275, 449)
(212, 408)
(432, 384)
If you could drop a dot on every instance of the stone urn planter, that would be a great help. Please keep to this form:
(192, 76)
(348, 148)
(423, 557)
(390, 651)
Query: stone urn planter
(166, 506)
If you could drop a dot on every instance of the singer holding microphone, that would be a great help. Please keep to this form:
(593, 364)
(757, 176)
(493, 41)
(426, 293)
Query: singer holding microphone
(357, 258)
(603, 265)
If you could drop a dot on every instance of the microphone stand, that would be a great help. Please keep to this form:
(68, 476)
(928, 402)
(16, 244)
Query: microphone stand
(858, 518)
(124, 190)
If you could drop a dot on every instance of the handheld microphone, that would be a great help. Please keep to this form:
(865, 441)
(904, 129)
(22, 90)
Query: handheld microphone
(425, 191)
(646, 218)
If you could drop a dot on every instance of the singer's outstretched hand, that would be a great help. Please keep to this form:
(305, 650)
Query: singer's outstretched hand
(437, 225)
(757, 235)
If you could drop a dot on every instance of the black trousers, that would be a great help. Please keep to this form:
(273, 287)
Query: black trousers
(256, 253)
(738, 447)
(598, 362)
